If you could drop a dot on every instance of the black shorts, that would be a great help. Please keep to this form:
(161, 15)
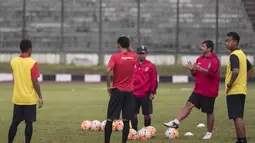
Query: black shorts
(235, 105)
(120, 101)
(206, 104)
(24, 112)
(145, 103)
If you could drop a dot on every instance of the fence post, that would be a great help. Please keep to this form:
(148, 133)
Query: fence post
(217, 27)
(24, 20)
(138, 22)
(62, 52)
(177, 56)
(100, 36)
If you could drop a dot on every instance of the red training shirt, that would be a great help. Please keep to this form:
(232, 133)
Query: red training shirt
(145, 79)
(207, 84)
(122, 64)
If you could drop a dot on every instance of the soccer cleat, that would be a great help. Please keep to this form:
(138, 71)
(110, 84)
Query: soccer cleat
(171, 124)
(207, 136)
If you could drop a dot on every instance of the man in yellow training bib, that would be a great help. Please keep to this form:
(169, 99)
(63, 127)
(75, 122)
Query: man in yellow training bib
(239, 70)
(25, 91)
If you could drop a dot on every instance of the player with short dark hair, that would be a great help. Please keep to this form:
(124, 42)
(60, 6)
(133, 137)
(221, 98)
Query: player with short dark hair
(25, 91)
(209, 43)
(239, 70)
(121, 91)
(206, 71)
(145, 85)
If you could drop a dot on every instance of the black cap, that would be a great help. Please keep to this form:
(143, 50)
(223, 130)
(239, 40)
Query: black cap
(142, 49)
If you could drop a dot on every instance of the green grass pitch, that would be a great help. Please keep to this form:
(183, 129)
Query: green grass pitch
(67, 105)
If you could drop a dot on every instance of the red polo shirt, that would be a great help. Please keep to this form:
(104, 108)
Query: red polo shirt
(122, 64)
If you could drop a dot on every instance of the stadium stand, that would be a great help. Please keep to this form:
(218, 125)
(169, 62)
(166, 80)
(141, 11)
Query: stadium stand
(158, 24)
(249, 6)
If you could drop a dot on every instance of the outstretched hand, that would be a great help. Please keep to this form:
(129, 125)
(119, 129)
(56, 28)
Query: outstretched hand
(190, 65)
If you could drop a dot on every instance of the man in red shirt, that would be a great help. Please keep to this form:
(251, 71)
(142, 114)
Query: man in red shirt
(145, 85)
(121, 91)
(206, 71)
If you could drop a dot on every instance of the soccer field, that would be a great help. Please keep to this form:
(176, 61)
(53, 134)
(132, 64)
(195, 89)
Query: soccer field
(67, 105)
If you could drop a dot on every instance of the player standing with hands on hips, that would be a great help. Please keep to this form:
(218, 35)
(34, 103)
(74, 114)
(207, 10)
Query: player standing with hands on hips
(206, 71)
(25, 91)
(121, 91)
(239, 70)
(145, 84)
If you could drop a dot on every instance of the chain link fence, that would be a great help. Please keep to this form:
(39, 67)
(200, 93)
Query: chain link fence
(92, 26)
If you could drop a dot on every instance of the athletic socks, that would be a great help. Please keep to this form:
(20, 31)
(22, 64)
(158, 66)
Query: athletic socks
(108, 131)
(147, 122)
(12, 131)
(28, 131)
(176, 121)
(134, 122)
(125, 131)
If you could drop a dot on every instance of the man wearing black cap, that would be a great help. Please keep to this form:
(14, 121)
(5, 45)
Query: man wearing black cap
(145, 85)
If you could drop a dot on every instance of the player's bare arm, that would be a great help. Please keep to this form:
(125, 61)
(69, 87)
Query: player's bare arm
(108, 79)
(249, 70)
(249, 74)
(234, 62)
(235, 72)
(36, 85)
(109, 68)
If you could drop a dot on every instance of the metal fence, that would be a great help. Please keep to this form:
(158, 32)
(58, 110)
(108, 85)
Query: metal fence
(166, 26)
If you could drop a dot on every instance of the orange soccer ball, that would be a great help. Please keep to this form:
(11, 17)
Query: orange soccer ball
(132, 134)
(86, 125)
(152, 130)
(172, 133)
(144, 134)
(95, 125)
(102, 126)
(117, 125)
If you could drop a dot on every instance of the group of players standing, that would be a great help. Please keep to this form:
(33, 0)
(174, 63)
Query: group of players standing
(135, 84)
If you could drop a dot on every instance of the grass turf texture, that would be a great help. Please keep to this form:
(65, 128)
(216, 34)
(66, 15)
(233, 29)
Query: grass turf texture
(79, 70)
(67, 105)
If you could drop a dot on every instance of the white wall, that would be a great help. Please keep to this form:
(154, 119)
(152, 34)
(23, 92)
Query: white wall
(92, 59)
(223, 59)
(82, 59)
